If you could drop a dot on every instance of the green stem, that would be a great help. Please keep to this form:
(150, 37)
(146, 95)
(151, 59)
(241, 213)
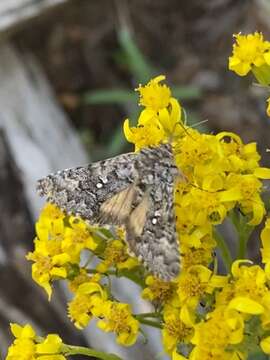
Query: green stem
(243, 238)
(244, 230)
(242, 245)
(152, 323)
(121, 273)
(150, 314)
(224, 250)
(68, 350)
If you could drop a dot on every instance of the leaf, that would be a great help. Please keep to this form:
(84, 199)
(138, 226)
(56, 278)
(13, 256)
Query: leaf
(137, 62)
(115, 96)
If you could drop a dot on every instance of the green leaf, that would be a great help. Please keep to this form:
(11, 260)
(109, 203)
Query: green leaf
(114, 96)
(137, 62)
(186, 92)
(69, 350)
(258, 356)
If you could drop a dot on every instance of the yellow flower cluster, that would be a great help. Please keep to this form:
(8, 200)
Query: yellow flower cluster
(222, 174)
(58, 251)
(249, 51)
(201, 314)
(28, 346)
(58, 246)
(252, 53)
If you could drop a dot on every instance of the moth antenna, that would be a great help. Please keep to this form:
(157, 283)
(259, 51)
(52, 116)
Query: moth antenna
(199, 123)
(185, 116)
(182, 127)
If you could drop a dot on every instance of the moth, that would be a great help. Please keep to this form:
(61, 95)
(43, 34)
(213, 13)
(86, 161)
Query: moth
(133, 190)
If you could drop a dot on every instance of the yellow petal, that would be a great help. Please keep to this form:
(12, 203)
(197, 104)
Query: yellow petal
(127, 131)
(22, 331)
(265, 345)
(89, 288)
(51, 345)
(186, 316)
(231, 135)
(59, 272)
(236, 266)
(233, 194)
(262, 173)
(246, 305)
(258, 213)
(267, 270)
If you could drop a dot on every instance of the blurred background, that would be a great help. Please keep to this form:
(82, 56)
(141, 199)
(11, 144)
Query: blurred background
(67, 73)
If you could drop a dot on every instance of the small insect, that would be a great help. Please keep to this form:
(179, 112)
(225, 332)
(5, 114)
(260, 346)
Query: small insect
(133, 190)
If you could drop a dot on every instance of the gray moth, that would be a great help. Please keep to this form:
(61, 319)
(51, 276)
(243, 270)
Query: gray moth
(133, 190)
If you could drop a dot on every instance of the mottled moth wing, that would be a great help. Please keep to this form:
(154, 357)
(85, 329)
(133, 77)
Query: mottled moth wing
(151, 229)
(134, 190)
(151, 233)
(81, 191)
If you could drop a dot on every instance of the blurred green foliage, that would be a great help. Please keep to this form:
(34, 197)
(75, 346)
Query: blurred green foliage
(259, 356)
(141, 71)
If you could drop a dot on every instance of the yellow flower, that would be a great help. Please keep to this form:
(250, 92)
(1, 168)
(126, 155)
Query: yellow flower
(118, 318)
(158, 290)
(81, 278)
(155, 96)
(149, 131)
(216, 333)
(115, 254)
(265, 345)
(25, 346)
(88, 302)
(158, 122)
(265, 238)
(247, 292)
(201, 254)
(245, 189)
(77, 238)
(248, 51)
(174, 331)
(49, 263)
(52, 218)
(51, 345)
(196, 282)
(249, 281)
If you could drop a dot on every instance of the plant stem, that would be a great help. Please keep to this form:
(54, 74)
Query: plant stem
(244, 234)
(81, 350)
(152, 323)
(120, 273)
(224, 250)
(150, 314)
(244, 230)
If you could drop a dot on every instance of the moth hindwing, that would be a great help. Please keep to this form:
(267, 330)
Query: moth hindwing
(135, 190)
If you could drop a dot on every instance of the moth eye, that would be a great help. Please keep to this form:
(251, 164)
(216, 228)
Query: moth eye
(99, 185)
(154, 221)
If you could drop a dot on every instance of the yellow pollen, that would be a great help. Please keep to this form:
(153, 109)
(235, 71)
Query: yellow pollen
(114, 254)
(192, 287)
(118, 318)
(80, 236)
(161, 290)
(177, 329)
